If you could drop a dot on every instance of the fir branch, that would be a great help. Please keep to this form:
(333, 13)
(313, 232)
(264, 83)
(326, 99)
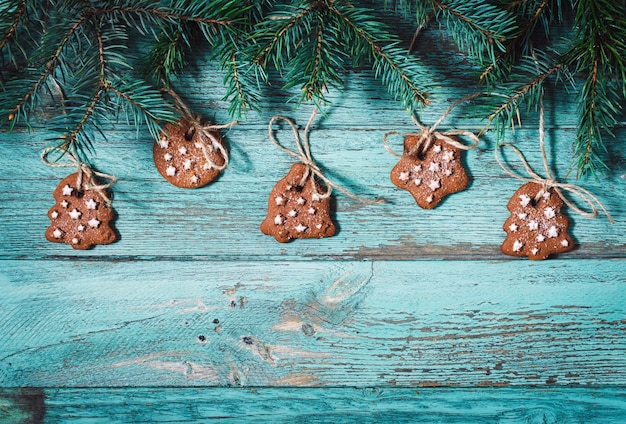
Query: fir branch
(599, 54)
(241, 80)
(18, 14)
(396, 70)
(16, 111)
(478, 28)
(504, 115)
(529, 13)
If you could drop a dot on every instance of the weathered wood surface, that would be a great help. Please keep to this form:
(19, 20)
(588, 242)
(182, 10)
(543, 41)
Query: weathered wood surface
(414, 323)
(222, 221)
(329, 405)
(194, 295)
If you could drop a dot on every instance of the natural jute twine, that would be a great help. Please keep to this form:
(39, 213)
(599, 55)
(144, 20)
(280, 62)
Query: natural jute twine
(304, 155)
(429, 134)
(549, 182)
(207, 138)
(84, 172)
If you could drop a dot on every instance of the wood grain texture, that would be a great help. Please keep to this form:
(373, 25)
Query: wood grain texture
(222, 221)
(194, 304)
(330, 405)
(415, 323)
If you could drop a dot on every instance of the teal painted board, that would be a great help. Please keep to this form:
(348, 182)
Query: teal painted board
(221, 221)
(86, 323)
(329, 405)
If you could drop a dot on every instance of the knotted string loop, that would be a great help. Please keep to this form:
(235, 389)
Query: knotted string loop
(549, 182)
(85, 173)
(208, 141)
(304, 155)
(429, 134)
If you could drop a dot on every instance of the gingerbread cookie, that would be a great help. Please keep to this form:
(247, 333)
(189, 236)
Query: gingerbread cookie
(431, 175)
(295, 210)
(537, 227)
(181, 155)
(80, 217)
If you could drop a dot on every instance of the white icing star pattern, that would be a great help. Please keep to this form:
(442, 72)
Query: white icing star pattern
(301, 228)
(417, 181)
(517, 245)
(75, 214)
(564, 243)
(168, 157)
(549, 213)
(513, 227)
(54, 214)
(81, 227)
(524, 200)
(91, 204)
(434, 167)
(278, 219)
(553, 232)
(533, 225)
(164, 142)
(93, 223)
(311, 211)
(300, 201)
(434, 185)
(64, 204)
(170, 171)
(187, 164)
(182, 150)
(195, 179)
(404, 176)
(437, 148)
(535, 251)
(448, 156)
(292, 213)
(57, 233)
(67, 190)
(279, 200)
(541, 238)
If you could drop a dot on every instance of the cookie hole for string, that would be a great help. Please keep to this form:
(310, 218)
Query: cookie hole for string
(190, 133)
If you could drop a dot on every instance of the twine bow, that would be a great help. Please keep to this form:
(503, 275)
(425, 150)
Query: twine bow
(84, 172)
(429, 134)
(208, 141)
(549, 182)
(304, 155)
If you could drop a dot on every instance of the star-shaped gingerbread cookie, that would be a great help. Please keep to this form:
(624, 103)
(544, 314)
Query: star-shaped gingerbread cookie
(431, 175)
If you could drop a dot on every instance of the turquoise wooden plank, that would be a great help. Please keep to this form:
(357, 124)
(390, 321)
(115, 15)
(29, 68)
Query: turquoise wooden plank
(95, 323)
(222, 220)
(329, 405)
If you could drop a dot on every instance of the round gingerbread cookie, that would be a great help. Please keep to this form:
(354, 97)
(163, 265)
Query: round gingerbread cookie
(80, 217)
(186, 157)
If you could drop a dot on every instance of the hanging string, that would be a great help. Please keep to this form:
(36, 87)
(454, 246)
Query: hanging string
(304, 155)
(549, 182)
(429, 134)
(208, 140)
(85, 173)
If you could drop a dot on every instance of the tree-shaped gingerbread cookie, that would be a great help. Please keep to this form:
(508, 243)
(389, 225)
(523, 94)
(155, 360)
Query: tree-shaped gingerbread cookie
(82, 216)
(537, 227)
(296, 209)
